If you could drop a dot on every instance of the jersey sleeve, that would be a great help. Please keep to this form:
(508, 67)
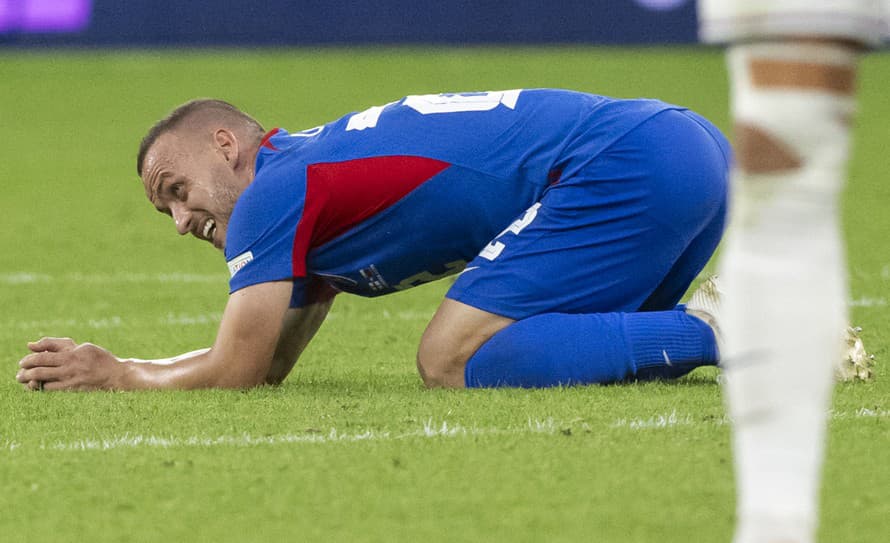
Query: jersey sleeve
(260, 236)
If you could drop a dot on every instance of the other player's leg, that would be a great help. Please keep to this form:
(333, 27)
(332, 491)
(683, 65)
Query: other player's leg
(782, 266)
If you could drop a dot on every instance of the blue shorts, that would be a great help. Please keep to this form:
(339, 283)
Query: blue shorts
(628, 231)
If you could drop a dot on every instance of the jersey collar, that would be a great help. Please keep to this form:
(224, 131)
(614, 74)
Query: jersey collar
(266, 146)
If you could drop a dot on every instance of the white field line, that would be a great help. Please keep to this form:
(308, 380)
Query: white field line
(663, 420)
(96, 324)
(25, 278)
(429, 430)
(668, 420)
(115, 321)
(868, 301)
(193, 319)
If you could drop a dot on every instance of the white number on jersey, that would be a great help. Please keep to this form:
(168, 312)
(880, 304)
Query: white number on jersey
(428, 104)
(495, 248)
(366, 119)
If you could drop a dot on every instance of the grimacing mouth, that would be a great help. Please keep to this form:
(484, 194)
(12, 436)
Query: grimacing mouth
(206, 230)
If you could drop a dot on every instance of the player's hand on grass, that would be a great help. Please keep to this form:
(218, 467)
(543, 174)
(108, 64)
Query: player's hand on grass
(62, 364)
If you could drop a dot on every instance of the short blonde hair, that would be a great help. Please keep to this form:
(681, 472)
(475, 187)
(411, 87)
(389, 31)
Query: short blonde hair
(188, 110)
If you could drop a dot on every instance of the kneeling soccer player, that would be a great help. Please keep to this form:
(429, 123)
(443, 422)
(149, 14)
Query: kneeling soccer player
(577, 223)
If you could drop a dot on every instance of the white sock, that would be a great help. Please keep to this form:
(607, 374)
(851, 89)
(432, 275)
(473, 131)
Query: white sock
(783, 272)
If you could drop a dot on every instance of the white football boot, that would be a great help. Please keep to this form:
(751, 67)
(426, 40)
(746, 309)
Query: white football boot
(856, 364)
(705, 305)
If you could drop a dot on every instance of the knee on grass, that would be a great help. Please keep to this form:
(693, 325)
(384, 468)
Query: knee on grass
(441, 362)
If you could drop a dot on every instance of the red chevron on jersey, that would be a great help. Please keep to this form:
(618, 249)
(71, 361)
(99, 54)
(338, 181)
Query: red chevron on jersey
(265, 141)
(340, 195)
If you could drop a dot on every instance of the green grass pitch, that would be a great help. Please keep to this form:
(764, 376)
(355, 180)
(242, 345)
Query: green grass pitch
(351, 447)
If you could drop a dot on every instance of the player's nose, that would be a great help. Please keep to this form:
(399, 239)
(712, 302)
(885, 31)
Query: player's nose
(182, 217)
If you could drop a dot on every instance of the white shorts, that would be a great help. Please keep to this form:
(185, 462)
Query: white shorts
(864, 21)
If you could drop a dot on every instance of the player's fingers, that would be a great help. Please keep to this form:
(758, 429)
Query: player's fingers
(41, 359)
(52, 344)
(49, 386)
(39, 374)
(55, 386)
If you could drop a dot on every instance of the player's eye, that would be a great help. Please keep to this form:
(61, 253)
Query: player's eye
(177, 190)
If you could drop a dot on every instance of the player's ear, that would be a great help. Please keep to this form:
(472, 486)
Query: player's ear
(227, 144)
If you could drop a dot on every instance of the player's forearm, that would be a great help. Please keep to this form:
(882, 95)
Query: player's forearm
(241, 357)
(168, 361)
(299, 327)
(197, 369)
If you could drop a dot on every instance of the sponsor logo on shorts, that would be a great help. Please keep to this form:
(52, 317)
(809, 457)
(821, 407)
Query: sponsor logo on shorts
(374, 278)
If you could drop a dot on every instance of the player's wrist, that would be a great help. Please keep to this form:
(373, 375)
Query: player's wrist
(128, 375)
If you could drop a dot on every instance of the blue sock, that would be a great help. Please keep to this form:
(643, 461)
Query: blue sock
(560, 349)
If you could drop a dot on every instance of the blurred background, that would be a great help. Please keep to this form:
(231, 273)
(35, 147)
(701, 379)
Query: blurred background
(312, 22)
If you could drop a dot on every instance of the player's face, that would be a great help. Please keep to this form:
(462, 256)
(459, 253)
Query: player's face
(194, 183)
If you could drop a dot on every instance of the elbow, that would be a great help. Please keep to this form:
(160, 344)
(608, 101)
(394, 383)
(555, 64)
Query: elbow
(243, 377)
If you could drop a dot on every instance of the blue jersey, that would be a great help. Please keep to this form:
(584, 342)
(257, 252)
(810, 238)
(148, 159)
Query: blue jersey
(408, 192)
